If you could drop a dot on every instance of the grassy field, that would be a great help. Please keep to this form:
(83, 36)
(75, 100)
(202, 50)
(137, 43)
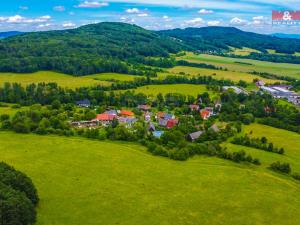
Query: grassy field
(219, 74)
(62, 80)
(292, 70)
(117, 183)
(185, 89)
(290, 141)
(8, 109)
(243, 51)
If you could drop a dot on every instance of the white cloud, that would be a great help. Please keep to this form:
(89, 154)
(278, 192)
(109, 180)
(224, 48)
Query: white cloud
(17, 19)
(205, 11)
(213, 23)
(143, 15)
(91, 4)
(44, 25)
(196, 22)
(69, 25)
(59, 8)
(23, 7)
(238, 22)
(133, 10)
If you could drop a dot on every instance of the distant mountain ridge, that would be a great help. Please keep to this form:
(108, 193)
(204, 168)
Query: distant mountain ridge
(10, 34)
(280, 35)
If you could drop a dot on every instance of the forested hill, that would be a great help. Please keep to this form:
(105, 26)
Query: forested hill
(103, 47)
(222, 37)
(9, 34)
(123, 48)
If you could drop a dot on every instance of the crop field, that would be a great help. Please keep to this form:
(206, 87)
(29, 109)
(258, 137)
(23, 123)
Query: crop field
(110, 183)
(220, 74)
(185, 89)
(246, 65)
(62, 80)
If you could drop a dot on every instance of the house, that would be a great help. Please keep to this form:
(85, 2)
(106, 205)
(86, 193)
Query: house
(157, 133)
(162, 122)
(104, 118)
(151, 127)
(205, 114)
(126, 113)
(112, 112)
(168, 116)
(195, 136)
(144, 108)
(84, 103)
(171, 123)
(234, 89)
(81, 124)
(127, 121)
(194, 107)
(147, 116)
(159, 115)
(260, 83)
(215, 128)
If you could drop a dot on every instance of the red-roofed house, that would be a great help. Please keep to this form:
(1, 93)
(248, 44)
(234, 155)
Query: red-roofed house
(126, 113)
(205, 114)
(171, 123)
(104, 118)
(160, 115)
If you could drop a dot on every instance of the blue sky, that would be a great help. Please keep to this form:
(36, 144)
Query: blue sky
(251, 15)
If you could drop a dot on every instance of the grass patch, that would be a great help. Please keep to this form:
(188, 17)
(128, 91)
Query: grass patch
(185, 89)
(118, 183)
(283, 69)
(219, 74)
(62, 80)
(112, 77)
(242, 51)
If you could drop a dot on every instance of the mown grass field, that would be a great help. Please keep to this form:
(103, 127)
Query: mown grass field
(90, 182)
(220, 74)
(185, 89)
(6, 108)
(243, 51)
(62, 80)
(283, 69)
(290, 141)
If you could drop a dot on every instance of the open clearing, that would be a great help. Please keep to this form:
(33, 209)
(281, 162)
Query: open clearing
(113, 77)
(242, 51)
(62, 80)
(220, 74)
(185, 89)
(283, 69)
(90, 182)
(290, 141)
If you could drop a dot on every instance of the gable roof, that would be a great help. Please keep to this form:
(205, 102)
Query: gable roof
(104, 117)
(126, 113)
(194, 136)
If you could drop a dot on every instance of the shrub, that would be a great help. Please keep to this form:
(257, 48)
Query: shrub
(296, 176)
(281, 167)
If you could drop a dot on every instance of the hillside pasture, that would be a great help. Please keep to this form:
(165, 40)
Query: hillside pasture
(112, 77)
(245, 65)
(119, 183)
(62, 80)
(242, 51)
(220, 74)
(185, 89)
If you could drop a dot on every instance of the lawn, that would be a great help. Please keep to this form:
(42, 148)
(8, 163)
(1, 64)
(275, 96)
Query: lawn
(219, 74)
(62, 80)
(284, 69)
(6, 108)
(290, 141)
(185, 89)
(118, 183)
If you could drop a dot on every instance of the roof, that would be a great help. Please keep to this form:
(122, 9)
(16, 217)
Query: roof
(168, 116)
(157, 134)
(195, 135)
(215, 128)
(204, 114)
(144, 107)
(111, 112)
(160, 114)
(171, 123)
(83, 102)
(162, 122)
(194, 107)
(126, 113)
(104, 117)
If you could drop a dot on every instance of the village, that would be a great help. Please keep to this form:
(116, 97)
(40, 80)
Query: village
(157, 122)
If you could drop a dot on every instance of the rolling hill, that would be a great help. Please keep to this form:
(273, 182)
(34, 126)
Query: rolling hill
(9, 34)
(124, 48)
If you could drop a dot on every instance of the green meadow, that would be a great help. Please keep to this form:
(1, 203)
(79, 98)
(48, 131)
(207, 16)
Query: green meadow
(246, 65)
(185, 89)
(62, 80)
(220, 74)
(9, 109)
(112, 77)
(242, 51)
(91, 182)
